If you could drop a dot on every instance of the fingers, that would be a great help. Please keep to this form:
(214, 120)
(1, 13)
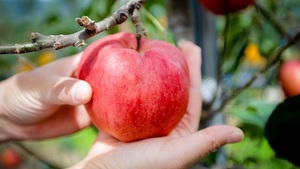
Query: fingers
(69, 121)
(68, 91)
(172, 153)
(204, 142)
(54, 84)
(192, 54)
(34, 98)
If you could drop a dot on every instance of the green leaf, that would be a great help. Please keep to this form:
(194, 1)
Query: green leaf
(255, 112)
(282, 127)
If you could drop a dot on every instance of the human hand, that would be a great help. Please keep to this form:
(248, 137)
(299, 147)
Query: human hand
(183, 147)
(44, 102)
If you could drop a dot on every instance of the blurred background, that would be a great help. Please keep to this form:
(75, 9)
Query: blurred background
(234, 47)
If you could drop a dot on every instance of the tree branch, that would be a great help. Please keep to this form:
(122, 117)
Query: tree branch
(268, 17)
(77, 39)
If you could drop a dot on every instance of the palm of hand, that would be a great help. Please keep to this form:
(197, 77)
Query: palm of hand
(148, 153)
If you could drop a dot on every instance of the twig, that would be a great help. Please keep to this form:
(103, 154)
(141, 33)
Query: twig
(270, 64)
(272, 21)
(77, 39)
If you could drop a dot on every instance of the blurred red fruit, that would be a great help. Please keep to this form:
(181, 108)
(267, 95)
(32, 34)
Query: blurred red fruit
(289, 77)
(10, 159)
(223, 7)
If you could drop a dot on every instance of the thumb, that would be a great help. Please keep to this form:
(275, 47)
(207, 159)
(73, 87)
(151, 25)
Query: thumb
(69, 91)
(206, 141)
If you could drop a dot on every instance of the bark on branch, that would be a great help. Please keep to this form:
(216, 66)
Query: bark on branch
(91, 28)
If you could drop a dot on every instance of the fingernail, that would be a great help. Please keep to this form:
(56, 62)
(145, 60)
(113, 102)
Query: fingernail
(234, 137)
(81, 92)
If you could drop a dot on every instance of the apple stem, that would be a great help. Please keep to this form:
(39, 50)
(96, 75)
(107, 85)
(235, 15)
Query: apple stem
(138, 43)
(139, 27)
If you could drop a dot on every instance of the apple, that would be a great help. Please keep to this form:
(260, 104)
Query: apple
(289, 77)
(136, 94)
(9, 158)
(223, 7)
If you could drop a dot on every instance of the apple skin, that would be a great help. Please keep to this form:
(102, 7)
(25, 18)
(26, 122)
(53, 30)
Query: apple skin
(289, 77)
(136, 95)
(223, 7)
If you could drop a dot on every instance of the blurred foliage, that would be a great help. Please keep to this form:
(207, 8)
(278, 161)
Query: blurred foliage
(249, 27)
(251, 116)
(251, 41)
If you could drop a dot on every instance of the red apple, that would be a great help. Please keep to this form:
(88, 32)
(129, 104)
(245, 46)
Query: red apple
(223, 7)
(136, 94)
(289, 77)
(9, 158)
